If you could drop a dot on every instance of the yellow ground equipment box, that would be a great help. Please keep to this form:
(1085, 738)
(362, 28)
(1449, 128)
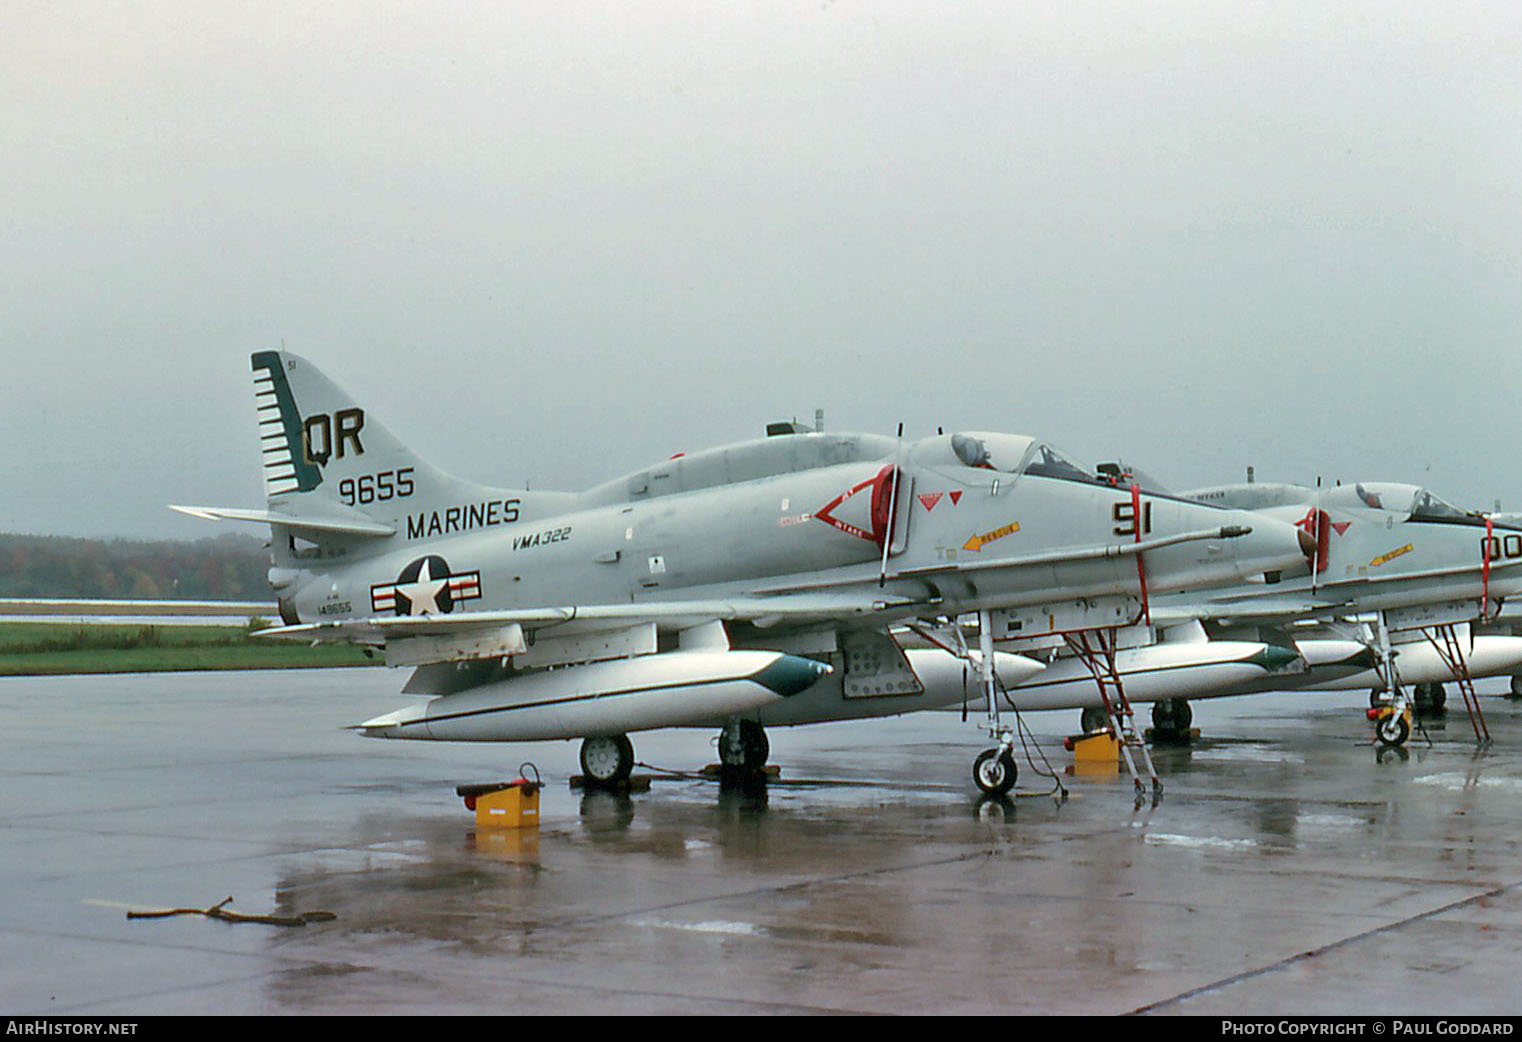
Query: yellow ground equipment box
(511, 805)
(1101, 747)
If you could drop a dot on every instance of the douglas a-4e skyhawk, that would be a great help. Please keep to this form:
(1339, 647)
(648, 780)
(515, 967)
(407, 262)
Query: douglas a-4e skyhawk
(752, 584)
(1402, 580)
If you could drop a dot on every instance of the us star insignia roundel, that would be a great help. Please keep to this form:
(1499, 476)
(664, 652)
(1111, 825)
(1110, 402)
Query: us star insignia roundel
(425, 587)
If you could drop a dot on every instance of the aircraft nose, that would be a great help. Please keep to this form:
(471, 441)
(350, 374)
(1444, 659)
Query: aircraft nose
(1269, 545)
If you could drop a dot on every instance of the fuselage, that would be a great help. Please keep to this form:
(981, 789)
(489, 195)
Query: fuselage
(1381, 547)
(790, 515)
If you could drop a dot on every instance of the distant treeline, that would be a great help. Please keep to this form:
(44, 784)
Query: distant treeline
(226, 568)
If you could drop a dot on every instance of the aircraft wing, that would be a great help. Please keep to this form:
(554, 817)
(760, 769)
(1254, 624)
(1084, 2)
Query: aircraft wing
(1268, 604)
(763, 611)
(545, 634)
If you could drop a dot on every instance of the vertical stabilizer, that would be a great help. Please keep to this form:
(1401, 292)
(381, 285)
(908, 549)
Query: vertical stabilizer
(335, 472)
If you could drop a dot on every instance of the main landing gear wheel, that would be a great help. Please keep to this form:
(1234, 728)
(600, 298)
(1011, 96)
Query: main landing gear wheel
(607, 760)
(1171, 718)
(1393, 729)
(1516, 688)
(1430, 699)
(994, 771)
(743, 745)
(1093, 720)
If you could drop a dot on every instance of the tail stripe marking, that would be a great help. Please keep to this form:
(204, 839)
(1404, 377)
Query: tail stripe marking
(280, 430)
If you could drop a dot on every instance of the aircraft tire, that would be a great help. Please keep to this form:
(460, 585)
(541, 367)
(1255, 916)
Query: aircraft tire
(1421, 698)
(607, 759)
(1171, 718)
(1516, 686)
(743, 744)
(994, 771)
(1430, 699)
(1092, 720)
(1393, 729)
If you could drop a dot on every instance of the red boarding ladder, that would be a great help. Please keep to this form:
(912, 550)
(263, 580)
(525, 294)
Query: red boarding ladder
(1099, 655)
(1452, 654)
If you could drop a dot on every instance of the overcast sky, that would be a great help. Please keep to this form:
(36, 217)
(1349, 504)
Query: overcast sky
(554, 242)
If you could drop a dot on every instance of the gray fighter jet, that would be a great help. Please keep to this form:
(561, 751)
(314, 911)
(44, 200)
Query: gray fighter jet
(738, 587)
(1416, 575)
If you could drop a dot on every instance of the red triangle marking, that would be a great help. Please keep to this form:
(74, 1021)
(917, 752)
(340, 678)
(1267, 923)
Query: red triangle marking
(955, 496)
(827, 515)
(931, 499)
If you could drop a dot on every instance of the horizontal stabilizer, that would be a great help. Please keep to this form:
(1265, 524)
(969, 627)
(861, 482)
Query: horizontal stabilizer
(343, 526)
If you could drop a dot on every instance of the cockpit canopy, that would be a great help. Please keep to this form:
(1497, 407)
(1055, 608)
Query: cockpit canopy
(1409, 502)
(1017, 454)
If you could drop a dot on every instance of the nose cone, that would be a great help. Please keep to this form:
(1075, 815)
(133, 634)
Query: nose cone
(1275, 659)
(395, 725)
(790, 674)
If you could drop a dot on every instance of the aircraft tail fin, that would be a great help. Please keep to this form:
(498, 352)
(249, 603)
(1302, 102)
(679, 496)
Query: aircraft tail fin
(314, 438)
(333, 472)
